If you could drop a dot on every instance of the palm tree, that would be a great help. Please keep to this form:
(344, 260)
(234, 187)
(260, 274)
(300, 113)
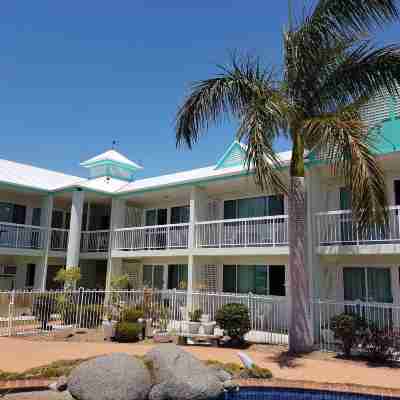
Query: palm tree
(330, 69)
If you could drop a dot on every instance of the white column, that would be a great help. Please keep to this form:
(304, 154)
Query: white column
(117, 220)
(189, 292)
(74, 238)
(165, 276)
(45, 222)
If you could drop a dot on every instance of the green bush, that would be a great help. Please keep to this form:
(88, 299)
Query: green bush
(85, 315)
(348, 328)
(380, 345)
(43, 306)
(234, 319)
(256, 372)
(128, 332)
(132, 314)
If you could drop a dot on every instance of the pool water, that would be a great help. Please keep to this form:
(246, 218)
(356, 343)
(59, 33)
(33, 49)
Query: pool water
(298, 394)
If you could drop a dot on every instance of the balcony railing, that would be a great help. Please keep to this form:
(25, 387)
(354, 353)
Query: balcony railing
(340, 228)
(95, 241)
(245, 232)
(152, 237)
(20, 236)
(59, 239)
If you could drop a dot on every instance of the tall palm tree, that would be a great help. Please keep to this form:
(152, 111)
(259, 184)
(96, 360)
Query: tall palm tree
(330, 69)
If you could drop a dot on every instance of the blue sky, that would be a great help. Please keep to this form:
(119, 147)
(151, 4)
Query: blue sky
(76, 75)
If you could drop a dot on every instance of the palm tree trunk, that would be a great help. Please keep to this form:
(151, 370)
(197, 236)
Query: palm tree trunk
(300, 325)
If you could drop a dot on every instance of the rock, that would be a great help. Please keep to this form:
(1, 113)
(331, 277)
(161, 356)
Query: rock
(222, 375)
(114, 377)
(179, 375)
(230, 386)
(60, 385)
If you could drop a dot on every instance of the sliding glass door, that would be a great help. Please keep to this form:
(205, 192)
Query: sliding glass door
(369, 285)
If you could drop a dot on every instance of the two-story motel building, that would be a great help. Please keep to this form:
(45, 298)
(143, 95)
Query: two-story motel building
(204, 229)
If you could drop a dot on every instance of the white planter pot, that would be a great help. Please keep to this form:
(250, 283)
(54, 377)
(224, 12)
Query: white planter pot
(208, 328)
(193, 327)
(109, 329)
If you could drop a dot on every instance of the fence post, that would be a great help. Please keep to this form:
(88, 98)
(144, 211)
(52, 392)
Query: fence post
(11, 309)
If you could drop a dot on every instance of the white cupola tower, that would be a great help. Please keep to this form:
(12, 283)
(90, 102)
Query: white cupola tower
(111, 164)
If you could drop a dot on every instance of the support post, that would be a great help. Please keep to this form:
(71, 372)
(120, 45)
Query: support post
(45, 221)
(74, 237)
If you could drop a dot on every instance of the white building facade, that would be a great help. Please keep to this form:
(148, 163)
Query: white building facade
(208, 229)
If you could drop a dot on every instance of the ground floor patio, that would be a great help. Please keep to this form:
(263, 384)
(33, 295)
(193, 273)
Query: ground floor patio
(19, 354)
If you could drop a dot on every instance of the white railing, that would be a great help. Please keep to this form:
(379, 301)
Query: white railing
(59, 239)
(95, 241)
(244, 232)
(383, 316)
(38, 313)
(156, 237)
(339, 227)
(22, 236)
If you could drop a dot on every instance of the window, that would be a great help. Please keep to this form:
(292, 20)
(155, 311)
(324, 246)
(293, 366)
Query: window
(177, 276)
(371, 284)
(30, 275)
(254, 207)
(12, 213)
(57, 219)
(156, 217)
(180, 215)
(257, 279)
(153, 276)
(36, 215)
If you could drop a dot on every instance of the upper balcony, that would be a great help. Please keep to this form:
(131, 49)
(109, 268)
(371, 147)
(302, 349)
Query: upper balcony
(155, 237)
(261, 232)
(24, 238)
(259, 235)
(338, 232)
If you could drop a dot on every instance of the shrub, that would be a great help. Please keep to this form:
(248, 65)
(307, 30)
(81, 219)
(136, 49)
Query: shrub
(195, 315)
(132, 314)
(348, 328)
(379, 345)
(128, 332)
(256, 372)
(43, 306)
(234, 320)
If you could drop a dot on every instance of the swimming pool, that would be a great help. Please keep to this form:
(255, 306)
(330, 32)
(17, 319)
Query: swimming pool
(262, 393)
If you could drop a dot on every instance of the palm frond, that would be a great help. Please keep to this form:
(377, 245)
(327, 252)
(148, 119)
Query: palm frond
(350, 149)
(227, 94)
(353, 17)
(259, 127)
(364, 72)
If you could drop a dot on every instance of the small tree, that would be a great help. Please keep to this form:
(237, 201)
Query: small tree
(120, 282)
(68, 276)
(234, 320)
(347, 328)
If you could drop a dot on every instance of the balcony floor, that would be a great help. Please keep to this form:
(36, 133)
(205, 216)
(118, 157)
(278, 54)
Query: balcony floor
(360, 249)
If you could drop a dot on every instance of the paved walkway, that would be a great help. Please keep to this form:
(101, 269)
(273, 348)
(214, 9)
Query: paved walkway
(19, 355)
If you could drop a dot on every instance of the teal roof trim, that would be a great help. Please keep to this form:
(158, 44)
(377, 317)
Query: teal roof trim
(234, 156)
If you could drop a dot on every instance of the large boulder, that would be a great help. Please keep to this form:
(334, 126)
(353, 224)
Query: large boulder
(114, 377)
(178, 375)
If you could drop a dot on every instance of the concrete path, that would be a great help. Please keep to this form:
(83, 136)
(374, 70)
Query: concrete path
(19, 355)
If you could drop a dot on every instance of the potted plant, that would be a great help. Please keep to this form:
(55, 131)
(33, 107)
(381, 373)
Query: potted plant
(109, 327)
(194, 321)
(69, 277)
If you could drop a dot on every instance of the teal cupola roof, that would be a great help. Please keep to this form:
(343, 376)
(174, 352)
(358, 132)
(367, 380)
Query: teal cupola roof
(111, 164)
(234, 156)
